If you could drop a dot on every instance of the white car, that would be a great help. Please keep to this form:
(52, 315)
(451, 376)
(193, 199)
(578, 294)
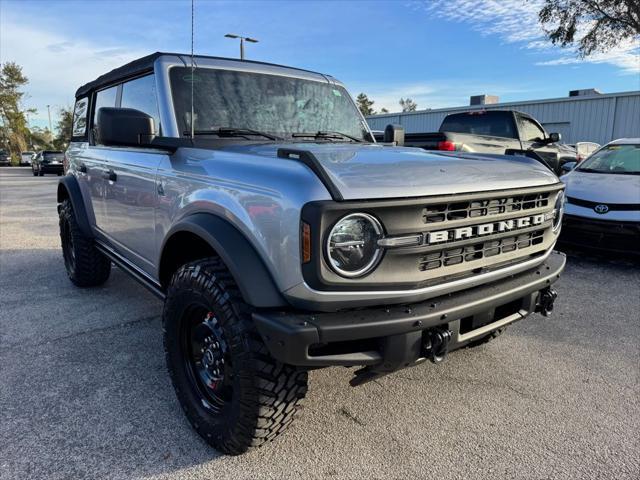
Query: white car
(25, 158)
(602, 208)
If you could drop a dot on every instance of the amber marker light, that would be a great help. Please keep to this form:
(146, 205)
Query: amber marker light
(306, 243)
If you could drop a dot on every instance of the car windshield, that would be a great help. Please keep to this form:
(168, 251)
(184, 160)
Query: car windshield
(619, 159)
(280, 106)
(53, 155)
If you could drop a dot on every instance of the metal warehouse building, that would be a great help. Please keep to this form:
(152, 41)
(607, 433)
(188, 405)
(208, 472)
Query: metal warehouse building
(584, 116)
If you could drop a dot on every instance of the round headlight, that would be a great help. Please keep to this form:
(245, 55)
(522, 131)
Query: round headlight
(352, 245)
(559, 211)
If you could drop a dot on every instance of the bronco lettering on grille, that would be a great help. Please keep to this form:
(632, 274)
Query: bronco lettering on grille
(483, 229)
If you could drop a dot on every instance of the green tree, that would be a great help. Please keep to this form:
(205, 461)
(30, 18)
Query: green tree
(13, 122)
(365, 105)
(408, 105)
(40, 139)
(384, 110)
(64, 127)
(592, 25)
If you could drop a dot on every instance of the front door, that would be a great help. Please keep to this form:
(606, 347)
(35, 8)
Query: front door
(131, 183)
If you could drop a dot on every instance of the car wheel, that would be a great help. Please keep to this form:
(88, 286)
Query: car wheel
(85, 265)
(235, 395)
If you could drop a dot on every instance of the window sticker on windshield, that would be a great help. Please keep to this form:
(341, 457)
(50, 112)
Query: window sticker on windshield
(337, 93)
(187, 78)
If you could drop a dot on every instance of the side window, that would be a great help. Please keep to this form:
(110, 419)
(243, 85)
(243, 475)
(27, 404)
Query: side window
(529, 130)
(80, 118)
(140, 94)
(104, 98)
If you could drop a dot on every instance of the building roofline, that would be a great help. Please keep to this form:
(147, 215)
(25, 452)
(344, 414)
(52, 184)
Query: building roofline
(145, 64)
(504, 105)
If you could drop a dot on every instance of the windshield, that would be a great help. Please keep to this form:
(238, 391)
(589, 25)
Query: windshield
(619, 159)
(53, 155)
(272, 104)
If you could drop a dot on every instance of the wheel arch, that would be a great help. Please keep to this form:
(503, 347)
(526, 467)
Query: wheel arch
(206, 234)
(68, 188)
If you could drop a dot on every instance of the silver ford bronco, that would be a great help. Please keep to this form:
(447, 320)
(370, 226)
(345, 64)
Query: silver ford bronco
(254, 201)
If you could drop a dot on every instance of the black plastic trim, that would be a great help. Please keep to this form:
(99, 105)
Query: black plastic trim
(247, 268)
(69, 183)
(288, 335)
(310, 160)
(124, 265)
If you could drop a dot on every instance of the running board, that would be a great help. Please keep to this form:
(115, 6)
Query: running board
(139, 276)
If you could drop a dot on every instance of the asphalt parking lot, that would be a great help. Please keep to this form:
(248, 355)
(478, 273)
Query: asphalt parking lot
(84, 392)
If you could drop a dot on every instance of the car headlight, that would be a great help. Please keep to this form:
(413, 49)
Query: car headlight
(558, 211)
(352, 245)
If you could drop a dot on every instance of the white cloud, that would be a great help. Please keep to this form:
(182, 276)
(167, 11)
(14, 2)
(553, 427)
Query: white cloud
(56, 64)
(516, 21)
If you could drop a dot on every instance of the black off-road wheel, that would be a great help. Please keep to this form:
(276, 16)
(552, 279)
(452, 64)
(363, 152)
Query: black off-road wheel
(487, 338)
(86, 266)
(234, 394)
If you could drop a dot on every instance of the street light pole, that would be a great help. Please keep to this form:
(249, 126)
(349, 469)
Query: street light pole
(242, 40)
(49, 113)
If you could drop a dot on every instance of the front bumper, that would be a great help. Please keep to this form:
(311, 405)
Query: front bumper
(611, 235)
(393, 335)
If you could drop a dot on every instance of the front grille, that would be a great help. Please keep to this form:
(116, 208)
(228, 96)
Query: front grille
(628, 207)
(477, 251)
(443, 212)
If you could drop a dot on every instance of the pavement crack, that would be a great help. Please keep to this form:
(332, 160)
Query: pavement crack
(80, 333)
(346, 413)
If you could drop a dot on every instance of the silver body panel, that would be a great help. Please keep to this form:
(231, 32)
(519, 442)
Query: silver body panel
(262, 195)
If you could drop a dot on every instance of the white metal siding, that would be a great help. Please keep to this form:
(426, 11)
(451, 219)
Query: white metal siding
(599, 119)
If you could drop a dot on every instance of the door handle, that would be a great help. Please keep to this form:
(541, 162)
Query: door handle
(110, 175)
(83, 168)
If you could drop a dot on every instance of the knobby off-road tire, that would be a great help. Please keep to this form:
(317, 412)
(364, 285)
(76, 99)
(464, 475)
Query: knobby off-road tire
(86, 266)
(487, 338)
(234, 394)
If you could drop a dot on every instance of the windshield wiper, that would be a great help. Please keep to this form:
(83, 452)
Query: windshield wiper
(233, 132)
(325, 134)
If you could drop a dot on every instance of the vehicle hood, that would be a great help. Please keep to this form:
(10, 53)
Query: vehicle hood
(375, 171)
(602, 187)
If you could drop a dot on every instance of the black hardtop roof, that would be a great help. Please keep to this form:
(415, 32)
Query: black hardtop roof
(145, 64)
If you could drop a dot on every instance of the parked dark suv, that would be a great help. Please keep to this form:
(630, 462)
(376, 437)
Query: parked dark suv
(47, 161)
(5, 158)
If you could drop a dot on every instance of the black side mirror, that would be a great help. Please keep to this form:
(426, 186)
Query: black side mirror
(567, 167)
(394, 134)
(554, 137)
(124, 127)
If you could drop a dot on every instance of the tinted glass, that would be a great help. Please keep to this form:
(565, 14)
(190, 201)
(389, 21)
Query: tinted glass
(495, 124)
(104, 98)
(620, 159)
(140, 94)
(530, 131)
(80, 117)
(274, 104)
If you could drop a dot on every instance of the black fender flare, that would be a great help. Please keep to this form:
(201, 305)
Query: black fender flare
(245, 264)
(68, 187)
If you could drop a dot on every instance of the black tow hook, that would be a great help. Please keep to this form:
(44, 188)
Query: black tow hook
(436, 344)
(545, 303)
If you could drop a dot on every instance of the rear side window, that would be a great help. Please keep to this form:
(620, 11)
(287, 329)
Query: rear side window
(494, 124)
(140, 94)
(80, 118)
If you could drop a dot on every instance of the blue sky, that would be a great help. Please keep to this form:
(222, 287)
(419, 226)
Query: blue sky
(437, 52)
